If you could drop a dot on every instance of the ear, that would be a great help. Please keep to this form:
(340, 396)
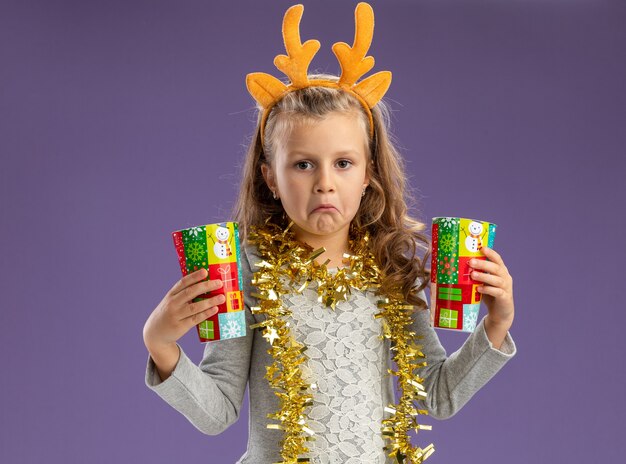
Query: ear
(366, 181)
(268, 175)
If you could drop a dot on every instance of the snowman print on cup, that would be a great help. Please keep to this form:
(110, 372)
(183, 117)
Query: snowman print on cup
(473, 240)
(221, 247)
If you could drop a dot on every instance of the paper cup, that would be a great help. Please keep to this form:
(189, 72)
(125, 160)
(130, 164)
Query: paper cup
(215, 247)
(454, 300)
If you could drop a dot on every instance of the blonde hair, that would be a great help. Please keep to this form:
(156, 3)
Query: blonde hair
(397, 241)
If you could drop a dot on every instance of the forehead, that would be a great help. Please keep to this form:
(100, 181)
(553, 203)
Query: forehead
(334, 133)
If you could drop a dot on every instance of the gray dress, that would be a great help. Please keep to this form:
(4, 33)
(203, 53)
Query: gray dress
(348, 362)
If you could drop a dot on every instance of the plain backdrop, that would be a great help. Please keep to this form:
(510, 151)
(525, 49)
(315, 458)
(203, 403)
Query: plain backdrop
(122, 121)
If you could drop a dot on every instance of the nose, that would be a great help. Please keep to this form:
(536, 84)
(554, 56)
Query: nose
(325, 181)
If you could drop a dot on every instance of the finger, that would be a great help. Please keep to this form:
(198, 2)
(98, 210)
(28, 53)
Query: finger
(199, 307)
(486, 266)
(195, 290)
(489, 279)
(188, 280)
(496, 292)
(199, 317)
(207, 303)
(492, 255)
(495, 257)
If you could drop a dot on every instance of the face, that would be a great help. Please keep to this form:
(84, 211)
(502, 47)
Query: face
(222, 233)
(475, 227)
(319, 173)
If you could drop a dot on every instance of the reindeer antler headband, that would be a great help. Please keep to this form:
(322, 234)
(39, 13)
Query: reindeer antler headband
(268, 90)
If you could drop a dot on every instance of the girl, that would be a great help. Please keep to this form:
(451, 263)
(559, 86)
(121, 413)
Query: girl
(322, 173)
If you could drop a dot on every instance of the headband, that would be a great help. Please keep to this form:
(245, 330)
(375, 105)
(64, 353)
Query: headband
(267, 90)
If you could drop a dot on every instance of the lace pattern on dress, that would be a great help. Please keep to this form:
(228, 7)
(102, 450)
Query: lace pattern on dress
(345, 360)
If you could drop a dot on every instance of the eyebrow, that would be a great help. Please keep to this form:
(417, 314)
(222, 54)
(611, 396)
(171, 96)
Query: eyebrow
(338, 153)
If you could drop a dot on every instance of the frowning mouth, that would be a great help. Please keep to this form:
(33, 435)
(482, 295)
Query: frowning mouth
(324, 208)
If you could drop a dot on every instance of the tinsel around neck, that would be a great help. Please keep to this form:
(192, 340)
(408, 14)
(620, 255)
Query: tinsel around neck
(287, 266)
(298, 260)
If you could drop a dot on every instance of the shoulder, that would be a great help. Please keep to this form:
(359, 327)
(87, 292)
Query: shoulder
(249, 257)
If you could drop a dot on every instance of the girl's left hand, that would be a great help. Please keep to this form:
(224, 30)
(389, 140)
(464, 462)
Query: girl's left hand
(497, 288)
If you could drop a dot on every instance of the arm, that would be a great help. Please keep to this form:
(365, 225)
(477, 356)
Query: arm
(210, 394)
(450, 381)
(497, 294)
(165, 359)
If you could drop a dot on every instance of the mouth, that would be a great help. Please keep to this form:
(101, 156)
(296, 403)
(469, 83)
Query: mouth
(324, 208)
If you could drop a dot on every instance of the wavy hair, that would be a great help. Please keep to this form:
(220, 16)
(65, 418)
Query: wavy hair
(397, 241)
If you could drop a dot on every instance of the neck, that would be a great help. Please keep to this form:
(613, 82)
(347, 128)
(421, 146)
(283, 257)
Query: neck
(336, 245)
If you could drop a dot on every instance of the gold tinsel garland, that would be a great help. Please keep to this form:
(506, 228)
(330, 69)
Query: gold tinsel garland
(289, 266)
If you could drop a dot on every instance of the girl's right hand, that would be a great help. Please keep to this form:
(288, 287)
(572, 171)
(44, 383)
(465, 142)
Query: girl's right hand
(176, 313)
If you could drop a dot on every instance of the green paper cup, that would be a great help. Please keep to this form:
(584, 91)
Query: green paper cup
(215, 247)
(455, 301)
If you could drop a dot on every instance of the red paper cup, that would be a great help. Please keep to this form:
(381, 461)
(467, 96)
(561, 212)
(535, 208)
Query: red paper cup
(215, 247)
(455, 301)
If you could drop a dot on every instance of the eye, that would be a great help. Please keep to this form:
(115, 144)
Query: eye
(302, 165)
(344, 164)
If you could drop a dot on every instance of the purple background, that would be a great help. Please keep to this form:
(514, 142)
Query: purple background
(121, 121)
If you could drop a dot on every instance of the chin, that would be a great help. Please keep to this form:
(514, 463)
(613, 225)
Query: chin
(313, 229)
